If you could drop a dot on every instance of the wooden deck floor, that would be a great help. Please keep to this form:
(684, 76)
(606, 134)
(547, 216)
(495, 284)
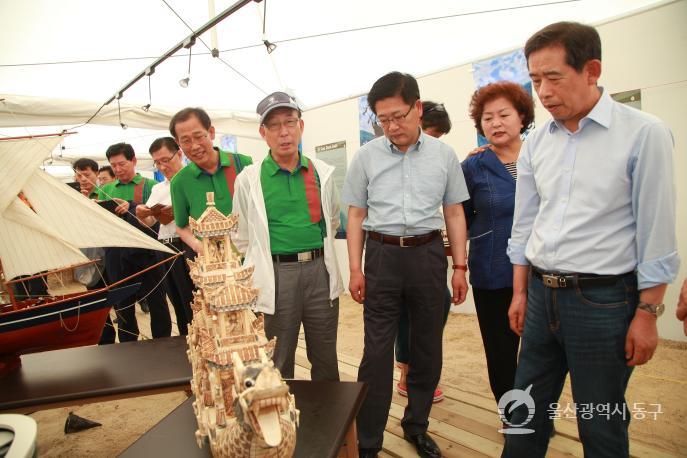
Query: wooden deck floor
(464, 424)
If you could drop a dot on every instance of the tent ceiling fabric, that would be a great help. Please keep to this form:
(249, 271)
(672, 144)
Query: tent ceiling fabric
(318, 70)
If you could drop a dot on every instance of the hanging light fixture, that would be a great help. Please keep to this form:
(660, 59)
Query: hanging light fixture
(190, 41)
(148, 71)
(268, 44)
(119, 112)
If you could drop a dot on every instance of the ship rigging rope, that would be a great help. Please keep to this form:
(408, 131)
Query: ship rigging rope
(78, 319)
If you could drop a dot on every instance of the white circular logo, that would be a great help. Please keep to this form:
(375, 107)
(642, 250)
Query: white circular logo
(508, 403)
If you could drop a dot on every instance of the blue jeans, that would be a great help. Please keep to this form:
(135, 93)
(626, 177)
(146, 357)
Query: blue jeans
(402, 343)
(580, 330)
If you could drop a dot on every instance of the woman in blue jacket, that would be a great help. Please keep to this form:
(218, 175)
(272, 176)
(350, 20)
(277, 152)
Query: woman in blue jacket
(501, 111)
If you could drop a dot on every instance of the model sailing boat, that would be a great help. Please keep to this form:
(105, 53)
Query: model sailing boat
(43, 226)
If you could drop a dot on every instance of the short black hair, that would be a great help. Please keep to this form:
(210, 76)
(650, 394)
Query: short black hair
(167, 142)
(391, 85)
(435, 115)
(185, 115)
(581, 42)
(121, 148)
(108, 169)
(85, 163)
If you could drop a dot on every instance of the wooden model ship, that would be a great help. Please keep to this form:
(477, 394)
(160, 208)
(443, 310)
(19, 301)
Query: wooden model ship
(225, 327)
(44, 224)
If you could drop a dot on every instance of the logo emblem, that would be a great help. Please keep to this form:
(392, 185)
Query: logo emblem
(510, 401)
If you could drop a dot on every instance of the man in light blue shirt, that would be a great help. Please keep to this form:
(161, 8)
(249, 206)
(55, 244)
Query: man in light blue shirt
(595, 220)
(395, 188)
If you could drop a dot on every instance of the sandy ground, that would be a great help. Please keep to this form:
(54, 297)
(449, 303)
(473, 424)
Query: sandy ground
(663, 381)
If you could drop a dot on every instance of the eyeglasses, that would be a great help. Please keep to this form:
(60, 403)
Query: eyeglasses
(188, 142)
(396, 119)
(164, 161)
(290, 124)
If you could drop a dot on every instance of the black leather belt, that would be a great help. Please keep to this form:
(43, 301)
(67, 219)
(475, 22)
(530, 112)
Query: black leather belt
(568, 280)
(304, 256)
(404, 241)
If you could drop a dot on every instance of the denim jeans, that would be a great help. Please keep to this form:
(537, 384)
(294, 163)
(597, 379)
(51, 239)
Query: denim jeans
(580, 330)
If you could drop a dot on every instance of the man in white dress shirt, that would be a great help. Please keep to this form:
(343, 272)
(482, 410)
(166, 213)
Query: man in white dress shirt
(167, 158)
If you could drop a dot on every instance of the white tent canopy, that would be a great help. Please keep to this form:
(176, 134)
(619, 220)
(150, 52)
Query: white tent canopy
(61, 60)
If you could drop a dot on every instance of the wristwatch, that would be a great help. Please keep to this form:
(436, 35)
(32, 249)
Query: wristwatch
(655, 309)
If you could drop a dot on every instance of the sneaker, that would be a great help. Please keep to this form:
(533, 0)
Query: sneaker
(403, 391)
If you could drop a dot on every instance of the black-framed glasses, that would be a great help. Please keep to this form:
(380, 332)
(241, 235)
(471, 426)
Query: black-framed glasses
(163, 161)
(396, 119)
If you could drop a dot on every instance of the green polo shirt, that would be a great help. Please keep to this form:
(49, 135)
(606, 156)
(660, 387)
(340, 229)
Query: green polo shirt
(190, 184)
(125, 191)
(288, 216)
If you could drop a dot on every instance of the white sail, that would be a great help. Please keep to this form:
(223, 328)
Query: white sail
(26, 250)
(80, 221)
(60, 220)
(18, 160)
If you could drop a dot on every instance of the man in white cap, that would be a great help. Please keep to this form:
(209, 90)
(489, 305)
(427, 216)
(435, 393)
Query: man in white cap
(288, 214)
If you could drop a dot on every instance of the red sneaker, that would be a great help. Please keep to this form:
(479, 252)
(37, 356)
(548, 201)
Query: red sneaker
(402, 389)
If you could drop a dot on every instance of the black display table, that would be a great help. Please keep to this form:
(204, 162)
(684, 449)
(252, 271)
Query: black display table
(327, 418)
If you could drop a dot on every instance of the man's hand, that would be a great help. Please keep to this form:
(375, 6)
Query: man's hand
(642, 338)
(681, 312)
(142, 212)
(197, 246)
(460, 287)
(517, 311)
(479, 149)
(166, 215)
(356, 286)
(122, 206)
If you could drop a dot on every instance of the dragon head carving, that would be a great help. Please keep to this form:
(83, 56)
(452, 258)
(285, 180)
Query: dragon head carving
(262, 399)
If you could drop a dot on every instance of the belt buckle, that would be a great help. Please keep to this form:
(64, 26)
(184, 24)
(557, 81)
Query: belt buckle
(553, 281)
(402, 239)
(305, 256)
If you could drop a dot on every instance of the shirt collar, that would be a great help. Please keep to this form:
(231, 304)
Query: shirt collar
(136, 180)
(601, 114)
(420, 140)
(273, 167)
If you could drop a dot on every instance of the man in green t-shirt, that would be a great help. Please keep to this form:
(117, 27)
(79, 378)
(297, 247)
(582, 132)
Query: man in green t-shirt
(211, 170)
(288, 214)
(130, 189)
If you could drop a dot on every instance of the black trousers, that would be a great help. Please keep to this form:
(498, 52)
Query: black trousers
(500, 342)
(120, 263)
(179, 286)
(397, 276)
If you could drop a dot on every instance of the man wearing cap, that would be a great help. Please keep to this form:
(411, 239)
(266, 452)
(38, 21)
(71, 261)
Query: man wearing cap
(129, 190)
(211, 170)
(158, 208)
(395, 187)
(288, 214)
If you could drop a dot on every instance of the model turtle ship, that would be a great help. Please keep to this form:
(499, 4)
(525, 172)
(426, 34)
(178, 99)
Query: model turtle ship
(224, 331)
(44, 224)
